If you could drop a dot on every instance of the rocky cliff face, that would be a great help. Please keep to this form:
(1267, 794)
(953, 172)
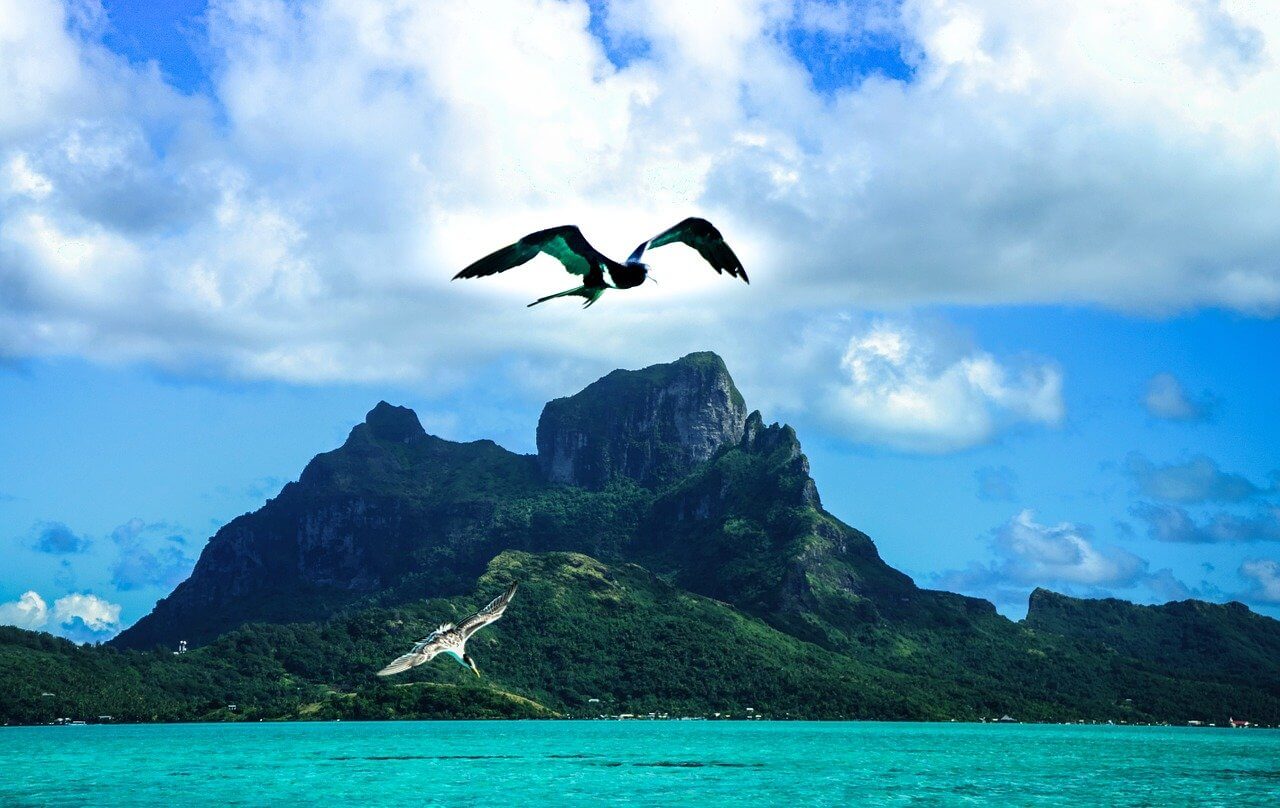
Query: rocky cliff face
(650, 426)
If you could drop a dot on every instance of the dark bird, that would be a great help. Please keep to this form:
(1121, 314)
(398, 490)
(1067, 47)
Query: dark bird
(567, 245)
(452, 640)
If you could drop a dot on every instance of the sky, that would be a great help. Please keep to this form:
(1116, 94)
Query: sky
(1015, 266)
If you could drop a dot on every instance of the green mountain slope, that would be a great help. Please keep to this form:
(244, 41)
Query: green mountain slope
(582, 630)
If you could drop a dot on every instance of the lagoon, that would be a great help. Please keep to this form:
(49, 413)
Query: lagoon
(567, 763)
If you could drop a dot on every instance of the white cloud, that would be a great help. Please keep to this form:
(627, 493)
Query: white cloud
(1167, 399)
(97, 614)
(77, 616)
(1264, 573)
(901, 388)
(25, 180)
(1033, 553)
(1028, 554)
(302, 223)
(29, 611)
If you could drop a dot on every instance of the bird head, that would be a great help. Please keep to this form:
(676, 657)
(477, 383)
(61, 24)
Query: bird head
(471, 663)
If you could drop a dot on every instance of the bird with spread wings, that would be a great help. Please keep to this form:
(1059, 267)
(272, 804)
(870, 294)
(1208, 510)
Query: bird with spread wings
(599, 272)
(452, 640)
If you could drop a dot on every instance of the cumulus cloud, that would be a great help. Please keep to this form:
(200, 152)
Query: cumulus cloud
(902, 388)
(90, 611)
(150, 554)
(29, 611)
(83, 617)
(1196, 480)
(1170, 523)
(1033, 552)
(1166, 399)
(300, 219)
(996, 483)
(1028, 554)
(1264, 575)
(58, 539)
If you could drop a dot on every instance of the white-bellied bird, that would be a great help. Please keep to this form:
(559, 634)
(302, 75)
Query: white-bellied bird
(452, 640)
(599, 272)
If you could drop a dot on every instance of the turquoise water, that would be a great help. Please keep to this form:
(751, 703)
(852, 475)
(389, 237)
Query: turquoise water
(642, 763)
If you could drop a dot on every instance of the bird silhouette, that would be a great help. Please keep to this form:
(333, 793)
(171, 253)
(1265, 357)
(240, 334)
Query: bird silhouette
(599, 272)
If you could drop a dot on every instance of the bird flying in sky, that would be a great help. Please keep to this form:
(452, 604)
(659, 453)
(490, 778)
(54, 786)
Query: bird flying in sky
(452, 640)
(599, 272)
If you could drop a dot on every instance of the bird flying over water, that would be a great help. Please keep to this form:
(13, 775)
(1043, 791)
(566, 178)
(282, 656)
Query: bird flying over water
(452, 640)
(567, 245)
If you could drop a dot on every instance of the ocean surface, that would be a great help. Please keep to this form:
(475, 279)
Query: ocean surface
(640, 763)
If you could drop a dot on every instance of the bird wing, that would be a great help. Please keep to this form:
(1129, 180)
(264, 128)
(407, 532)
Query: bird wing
(566, 244)
(488, 614)
(703, 237)
(424, 650)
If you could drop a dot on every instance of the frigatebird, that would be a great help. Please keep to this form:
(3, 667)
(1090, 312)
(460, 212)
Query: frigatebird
(452, 640)
(567, 245)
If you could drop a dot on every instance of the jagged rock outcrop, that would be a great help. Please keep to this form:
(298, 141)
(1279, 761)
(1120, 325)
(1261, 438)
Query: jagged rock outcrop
(650, 426)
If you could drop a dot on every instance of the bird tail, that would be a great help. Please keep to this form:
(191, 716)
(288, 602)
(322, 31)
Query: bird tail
(591, 293)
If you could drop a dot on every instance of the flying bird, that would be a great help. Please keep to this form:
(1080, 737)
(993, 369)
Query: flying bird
(452, 640)
(567, 245)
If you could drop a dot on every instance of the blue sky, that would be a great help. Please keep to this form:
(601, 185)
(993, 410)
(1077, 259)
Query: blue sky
(1022, 312)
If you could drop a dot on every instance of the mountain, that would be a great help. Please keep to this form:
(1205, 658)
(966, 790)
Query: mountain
(1207, 639)
(675, 555)
(661, 466)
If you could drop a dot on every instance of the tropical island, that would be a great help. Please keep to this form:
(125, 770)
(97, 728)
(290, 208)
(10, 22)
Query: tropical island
(675, 559)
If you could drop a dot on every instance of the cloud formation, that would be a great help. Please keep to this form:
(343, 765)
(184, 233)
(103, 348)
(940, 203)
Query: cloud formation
(902, 388)
(1166, 399)
(1170, 523)
(29, 611)
(82, 617)
(150, 554)
(349, 156)
(56, 538)
(1264, 575)
(1194, 481)
(1028, 554)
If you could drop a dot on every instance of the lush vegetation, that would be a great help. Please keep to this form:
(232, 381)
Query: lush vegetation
(581, 630)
